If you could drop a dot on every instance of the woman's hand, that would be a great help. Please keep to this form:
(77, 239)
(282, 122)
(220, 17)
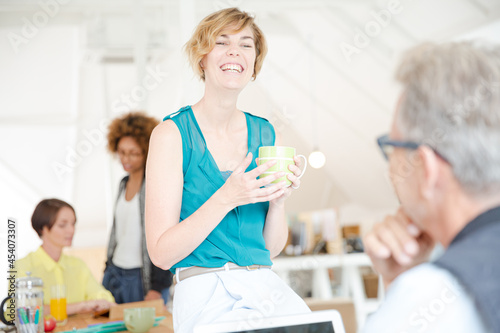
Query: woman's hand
(242, 188)
(294, 178)
(276, 227)
(89, 306)
(152, 294)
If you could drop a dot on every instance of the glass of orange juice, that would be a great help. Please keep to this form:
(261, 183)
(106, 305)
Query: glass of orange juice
(58, 303)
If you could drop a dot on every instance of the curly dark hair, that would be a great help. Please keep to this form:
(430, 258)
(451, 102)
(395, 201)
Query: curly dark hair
(135, 124)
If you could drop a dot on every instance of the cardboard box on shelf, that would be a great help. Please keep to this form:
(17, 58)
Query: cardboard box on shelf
(343, 305)
(370, 281)
(334, 247)
(352, 239)
(350, 230)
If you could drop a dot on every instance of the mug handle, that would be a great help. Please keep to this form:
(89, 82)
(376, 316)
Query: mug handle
(2, 313)
(305, 166)
(129, 319)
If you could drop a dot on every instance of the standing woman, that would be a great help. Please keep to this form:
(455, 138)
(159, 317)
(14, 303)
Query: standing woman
(201, 172)
(129, 274)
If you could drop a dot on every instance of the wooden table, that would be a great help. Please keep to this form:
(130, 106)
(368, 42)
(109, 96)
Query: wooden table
(83, 320)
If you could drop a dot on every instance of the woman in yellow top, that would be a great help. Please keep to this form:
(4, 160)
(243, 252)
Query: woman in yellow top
(54, 221)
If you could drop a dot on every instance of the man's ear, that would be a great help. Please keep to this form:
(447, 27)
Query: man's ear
(429, 171)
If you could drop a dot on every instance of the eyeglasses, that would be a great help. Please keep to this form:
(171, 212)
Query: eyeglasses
(129, 154)
(387, 146)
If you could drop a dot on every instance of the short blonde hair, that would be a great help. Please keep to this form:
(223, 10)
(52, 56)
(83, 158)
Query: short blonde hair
(203, 39)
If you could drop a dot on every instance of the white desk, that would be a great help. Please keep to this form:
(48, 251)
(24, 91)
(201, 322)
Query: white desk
(352, 282)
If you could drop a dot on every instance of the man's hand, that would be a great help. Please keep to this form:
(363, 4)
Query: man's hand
(396, 245)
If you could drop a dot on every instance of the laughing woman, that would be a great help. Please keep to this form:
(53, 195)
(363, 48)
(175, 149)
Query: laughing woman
(208, 217)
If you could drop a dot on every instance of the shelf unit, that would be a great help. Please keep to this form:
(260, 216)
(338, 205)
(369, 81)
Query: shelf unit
(352, 281)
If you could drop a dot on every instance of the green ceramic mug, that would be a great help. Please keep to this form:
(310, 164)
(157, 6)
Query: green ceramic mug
(139, 320)
(284, 157)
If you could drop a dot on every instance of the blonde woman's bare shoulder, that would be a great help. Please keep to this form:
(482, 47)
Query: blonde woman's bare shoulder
(166, 130)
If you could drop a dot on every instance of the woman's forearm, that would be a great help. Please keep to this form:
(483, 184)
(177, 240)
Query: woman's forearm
(179, 241)
(275, 229)
(87, 306)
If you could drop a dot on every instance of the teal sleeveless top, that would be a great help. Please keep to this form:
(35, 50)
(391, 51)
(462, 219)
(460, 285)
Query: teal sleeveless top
(238, 237)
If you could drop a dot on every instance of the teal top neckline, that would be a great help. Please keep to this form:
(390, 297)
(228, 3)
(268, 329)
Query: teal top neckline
(195, 122)
(226, 174)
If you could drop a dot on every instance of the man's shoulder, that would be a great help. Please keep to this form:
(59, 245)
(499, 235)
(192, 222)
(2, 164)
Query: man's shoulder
(425, 298)
(423, 282)
(423, 273)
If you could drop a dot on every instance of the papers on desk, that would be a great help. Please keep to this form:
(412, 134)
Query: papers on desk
(115, 326)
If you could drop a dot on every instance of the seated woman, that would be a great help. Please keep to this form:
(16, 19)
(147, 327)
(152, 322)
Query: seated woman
(54, 221)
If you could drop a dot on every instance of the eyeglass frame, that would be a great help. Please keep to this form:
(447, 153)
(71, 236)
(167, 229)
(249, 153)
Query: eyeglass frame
(384, 140)
(133, 155)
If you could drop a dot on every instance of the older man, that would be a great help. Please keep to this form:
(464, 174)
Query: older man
(444, 157)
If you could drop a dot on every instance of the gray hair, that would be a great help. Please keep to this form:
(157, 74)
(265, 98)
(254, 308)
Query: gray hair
(451, 102)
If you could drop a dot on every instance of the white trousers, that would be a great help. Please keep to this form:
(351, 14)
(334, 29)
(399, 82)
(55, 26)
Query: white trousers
(235, 295)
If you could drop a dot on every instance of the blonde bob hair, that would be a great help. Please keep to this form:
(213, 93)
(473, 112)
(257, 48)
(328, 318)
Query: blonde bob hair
(203, 39)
